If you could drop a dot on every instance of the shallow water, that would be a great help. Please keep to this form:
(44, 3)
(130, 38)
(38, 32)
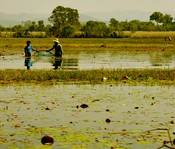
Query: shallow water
(96, 60)
(29, 112)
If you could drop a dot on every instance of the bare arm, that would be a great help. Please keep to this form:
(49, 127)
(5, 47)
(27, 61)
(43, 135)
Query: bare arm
(50, 49)
(35, 50)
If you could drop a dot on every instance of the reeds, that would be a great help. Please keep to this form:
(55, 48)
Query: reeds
(148, 76)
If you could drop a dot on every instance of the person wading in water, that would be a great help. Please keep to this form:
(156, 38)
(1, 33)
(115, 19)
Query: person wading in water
(28, 54)
(58, 53)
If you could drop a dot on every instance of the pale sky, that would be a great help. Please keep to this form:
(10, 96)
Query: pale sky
(46, 6)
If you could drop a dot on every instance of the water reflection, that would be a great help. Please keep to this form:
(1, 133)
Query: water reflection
(95, 60)
(28, 62)
(70, 63)
(64, 63)
(56, 62)
(161, 59)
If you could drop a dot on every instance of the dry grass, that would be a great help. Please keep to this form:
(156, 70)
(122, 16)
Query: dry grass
(152, 34)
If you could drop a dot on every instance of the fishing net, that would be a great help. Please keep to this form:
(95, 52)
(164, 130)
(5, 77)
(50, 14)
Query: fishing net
(43, 53)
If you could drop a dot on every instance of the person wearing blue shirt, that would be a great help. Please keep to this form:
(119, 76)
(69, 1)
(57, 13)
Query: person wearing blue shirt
(28, 54)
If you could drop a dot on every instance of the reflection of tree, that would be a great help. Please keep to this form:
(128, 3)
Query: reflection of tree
(161, 58)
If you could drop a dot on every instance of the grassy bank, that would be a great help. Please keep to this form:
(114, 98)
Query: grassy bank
(131, 76)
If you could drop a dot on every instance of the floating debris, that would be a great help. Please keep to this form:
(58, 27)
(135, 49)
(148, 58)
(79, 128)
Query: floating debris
(172, 122)
(107, 110)
(108, 120)
(47, 140)
(84, 106)
(48, 108)
(96, 100)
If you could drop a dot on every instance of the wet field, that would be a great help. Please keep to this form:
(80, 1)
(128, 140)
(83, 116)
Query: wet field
(117, 116)
(96, 60)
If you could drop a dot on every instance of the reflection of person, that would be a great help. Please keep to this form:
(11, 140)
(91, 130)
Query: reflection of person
(28, 53)
(58, 53)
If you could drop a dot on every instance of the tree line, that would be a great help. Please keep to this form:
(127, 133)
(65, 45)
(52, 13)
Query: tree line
(65, 23)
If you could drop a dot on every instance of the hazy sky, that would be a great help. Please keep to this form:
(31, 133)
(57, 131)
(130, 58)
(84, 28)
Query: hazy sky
(46, 6)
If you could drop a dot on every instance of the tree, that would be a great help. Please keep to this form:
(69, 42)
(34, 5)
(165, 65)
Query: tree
(40, 25)
(2, 28)
(62, 17)
(96, 29)
(167, 19)
(17, 28)
(33, 27)
(167, 22)
(123, 26)
(147, 26)
(67, 31)
(157, 17)
(134, 25)
(114, 23)
(19, 31)
(27, 24)
(48, 30)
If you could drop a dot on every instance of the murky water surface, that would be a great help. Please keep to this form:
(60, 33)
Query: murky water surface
(29, 112)
(96, 60)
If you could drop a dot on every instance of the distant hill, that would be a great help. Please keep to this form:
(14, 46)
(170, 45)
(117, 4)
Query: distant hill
(13, 19)
(126, 15)
(121, 15)
(85, 18)
(7, 19)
